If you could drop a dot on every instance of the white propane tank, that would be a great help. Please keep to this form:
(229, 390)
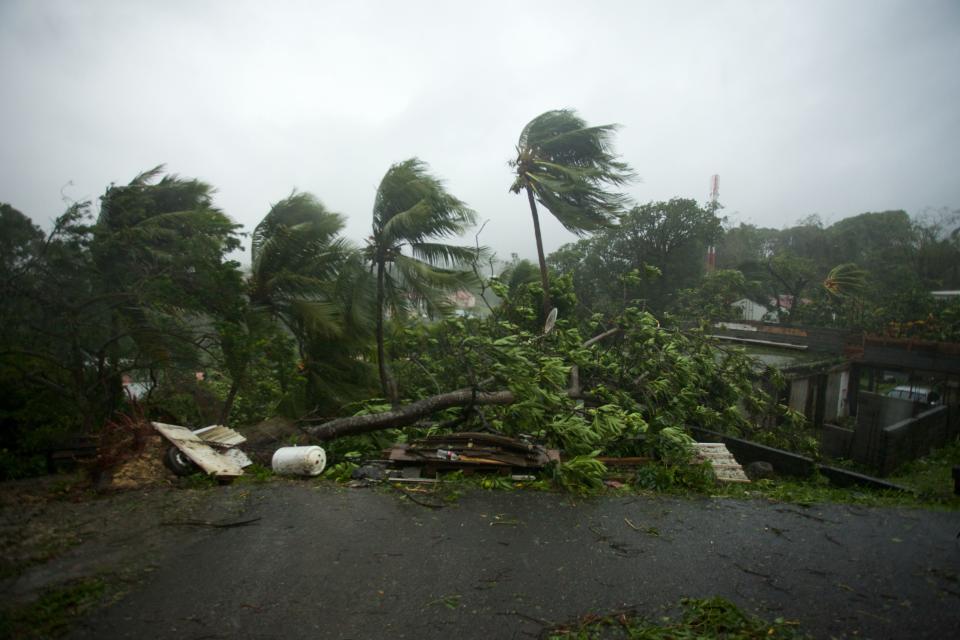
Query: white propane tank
(299, 461)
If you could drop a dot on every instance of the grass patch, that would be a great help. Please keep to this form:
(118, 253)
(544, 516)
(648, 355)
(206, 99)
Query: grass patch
(704, 618)
(931, 476)
(929, 479)
(256, 474)
(819, 490)
(199, 481)
(54, 612)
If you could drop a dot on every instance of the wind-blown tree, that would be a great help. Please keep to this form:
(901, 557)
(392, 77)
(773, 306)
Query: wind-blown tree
(296, 257)
(568, 167)
(411, 212)
(129, 294)
(295, 288)
(672, 236)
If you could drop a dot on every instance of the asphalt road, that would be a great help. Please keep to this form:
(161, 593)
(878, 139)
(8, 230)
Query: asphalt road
(361, 563)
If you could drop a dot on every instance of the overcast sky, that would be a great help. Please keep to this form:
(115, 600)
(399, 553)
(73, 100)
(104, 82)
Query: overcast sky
(835, 107)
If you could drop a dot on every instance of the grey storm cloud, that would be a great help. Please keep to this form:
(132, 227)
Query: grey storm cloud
(833, 108)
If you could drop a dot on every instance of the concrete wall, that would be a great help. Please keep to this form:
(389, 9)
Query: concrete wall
(914, 438)
(787, 463)
(891, 431)
(784, 462)
(836, 442)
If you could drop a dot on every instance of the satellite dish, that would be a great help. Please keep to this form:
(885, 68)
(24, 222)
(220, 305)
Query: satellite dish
(551, 320)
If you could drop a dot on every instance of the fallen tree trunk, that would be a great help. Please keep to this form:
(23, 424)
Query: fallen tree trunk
(404, 416)
(408, 414)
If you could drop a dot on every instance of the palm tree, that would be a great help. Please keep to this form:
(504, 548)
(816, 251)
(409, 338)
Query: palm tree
(296, 257)
(567, 167)
(298, 263)
(411, 212)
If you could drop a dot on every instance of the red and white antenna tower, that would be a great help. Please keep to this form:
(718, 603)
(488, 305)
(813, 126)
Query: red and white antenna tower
(714, 195)
(714, 189)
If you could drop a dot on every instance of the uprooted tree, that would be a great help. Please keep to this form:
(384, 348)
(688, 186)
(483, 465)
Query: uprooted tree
(632, 387)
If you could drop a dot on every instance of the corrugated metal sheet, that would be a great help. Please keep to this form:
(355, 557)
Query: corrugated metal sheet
(202, 454)
(220, 436)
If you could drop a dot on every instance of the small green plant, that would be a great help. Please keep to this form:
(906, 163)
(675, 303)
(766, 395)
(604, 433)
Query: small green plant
(496, 483)
(340, 472)
(256, 473)
(582, 474)
(674, 445)
(675, 478)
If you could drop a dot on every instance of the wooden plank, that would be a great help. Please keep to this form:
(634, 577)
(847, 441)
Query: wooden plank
(725, 466)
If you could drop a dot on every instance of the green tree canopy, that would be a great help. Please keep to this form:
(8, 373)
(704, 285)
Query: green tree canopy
(671, 236)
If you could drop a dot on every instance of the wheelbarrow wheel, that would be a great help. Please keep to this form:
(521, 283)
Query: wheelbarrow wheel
(179, 463)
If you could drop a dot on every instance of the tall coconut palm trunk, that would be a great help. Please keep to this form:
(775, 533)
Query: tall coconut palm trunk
(544, 279)
(387, 383)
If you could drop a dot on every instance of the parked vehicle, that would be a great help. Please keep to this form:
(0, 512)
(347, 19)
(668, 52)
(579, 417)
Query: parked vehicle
(915, 394)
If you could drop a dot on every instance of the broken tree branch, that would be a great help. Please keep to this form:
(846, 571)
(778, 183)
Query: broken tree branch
(576, 391)
(407, 415)
(404, 416)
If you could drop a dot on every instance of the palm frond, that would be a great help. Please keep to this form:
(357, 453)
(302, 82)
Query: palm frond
(570, 167)
(317, 317)
(146, 177)
(444, 255)
(845, 280)
(424, 287)
(412, 205)
(301, 210)
(429, 275)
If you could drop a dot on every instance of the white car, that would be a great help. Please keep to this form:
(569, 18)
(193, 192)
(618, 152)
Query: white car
(915, 394)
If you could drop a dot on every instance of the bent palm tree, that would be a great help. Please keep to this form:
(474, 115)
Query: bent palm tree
(411, 211)
(566, 166)
(296, 257)
(298, 260)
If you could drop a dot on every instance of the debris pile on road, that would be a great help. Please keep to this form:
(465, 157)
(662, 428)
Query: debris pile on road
(145, 469)
(470, 452)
